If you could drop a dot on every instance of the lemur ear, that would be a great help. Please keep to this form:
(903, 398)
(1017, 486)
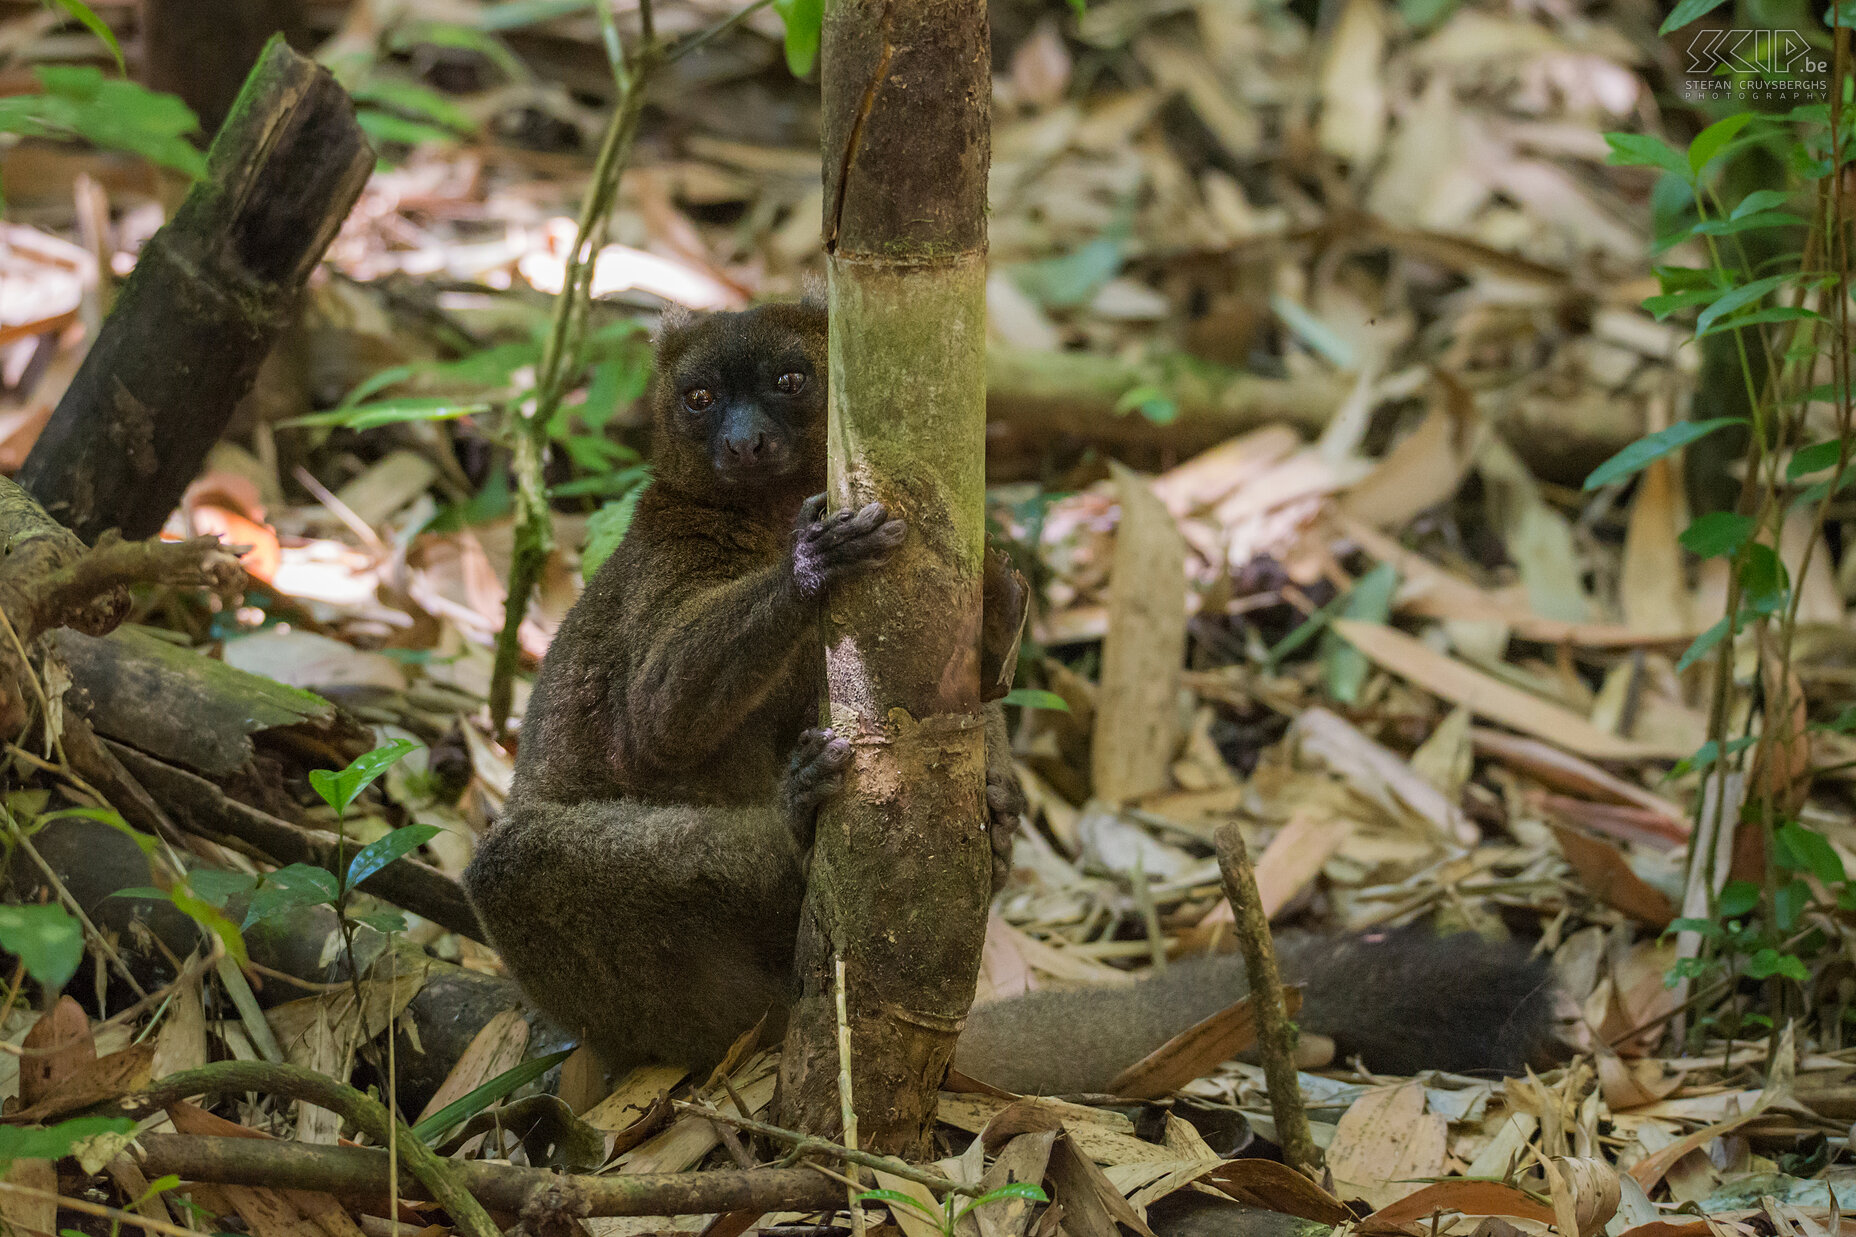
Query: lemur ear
(813, 293)
(674, 319)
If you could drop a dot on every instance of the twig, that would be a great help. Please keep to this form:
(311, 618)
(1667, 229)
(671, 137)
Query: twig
(305, 1085)
(560, 356)
(806, 1144)
(846, 1111)
(361, 1172)
(702, 37)
(1275, 1033)
(98, 1209)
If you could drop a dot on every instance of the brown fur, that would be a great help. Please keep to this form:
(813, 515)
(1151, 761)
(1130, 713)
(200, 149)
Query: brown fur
(645, 881)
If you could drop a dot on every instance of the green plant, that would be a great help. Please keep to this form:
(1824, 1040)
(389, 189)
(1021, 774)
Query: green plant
(951, 1211)
(1775, 287)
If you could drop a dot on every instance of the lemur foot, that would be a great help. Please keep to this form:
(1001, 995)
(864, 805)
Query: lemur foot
(1005, 807)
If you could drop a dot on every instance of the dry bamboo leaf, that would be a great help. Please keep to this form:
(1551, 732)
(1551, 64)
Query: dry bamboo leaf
(1025, 1158)
(691, 1137)
(181, 1042)
(1210, 477)
(1604, 871)
(1277, 1187)
(1818, 599)
(1353, 92)
(912, 1222)
(1424, 468)
(1585, 1193)
(1288, 865)
(323, 1049)
(1384, 1141)
(1430, 591)
(1476, 1198)
(496, 1048)
(633, 1097)
(1633, 1084)
(1378, 774)
(1092, 1207)
(1489, 697)
(1447, 758)
(1137, 704)
(1652, 582)
(1195, 1051)
(1562, 771)
(1538, 538)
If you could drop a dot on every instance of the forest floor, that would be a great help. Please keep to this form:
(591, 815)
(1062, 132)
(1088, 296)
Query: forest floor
(1360, 311)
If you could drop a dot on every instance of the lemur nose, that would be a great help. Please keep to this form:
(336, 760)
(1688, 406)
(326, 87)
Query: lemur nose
(748, 451)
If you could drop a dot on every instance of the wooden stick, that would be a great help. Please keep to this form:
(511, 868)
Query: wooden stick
(361, 1173)
(1275, 1033)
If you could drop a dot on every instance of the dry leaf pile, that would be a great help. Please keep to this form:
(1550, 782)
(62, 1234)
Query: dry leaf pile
(1362, 307)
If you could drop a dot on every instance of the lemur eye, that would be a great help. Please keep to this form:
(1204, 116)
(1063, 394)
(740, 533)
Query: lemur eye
(698, 399)
(791, 383)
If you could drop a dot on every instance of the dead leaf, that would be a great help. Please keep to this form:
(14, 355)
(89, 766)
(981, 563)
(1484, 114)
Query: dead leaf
(92, 1082)
(1605, 871)
(1489, 697)
(1475, 1198)
(1195, 1051)
(1384, 1142)
(1137, 706)
(58, 1045)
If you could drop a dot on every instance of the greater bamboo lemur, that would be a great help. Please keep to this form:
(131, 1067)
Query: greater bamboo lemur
(645, 882)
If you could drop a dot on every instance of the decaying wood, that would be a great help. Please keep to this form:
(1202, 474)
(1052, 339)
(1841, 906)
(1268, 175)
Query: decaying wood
(208, 297)
(356, 1172)
(900, 870)
(201, 50)
(196, 711)
(1137, 704)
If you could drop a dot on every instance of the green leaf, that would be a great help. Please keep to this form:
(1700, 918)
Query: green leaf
(46, 939)
(216, 887)
(1764, 583)
(1708, 754)
(1370, 600)
(1769, 962)
(299, 884)
(378, 854)
(605, 530)
(1845, 722)
(407, 35)
(338, 788)
(1737, 898)
(385, 128)
(1151, 401)
(896, 1198)
(804, 22)
(1738, 298)
(1718, 534)
(469, 1105)
(54, 1142)
(1643, 150)
(1071, 279)
(1703, 644)
(96, 25)
(1036, 698)
(1661, 307)
(415, 100)
(1814, 458)
(1805, 849)
(1650, 448)
(391, 412)
(211, 919)
(1759, 201)
(114, 114)
(1704, 927)
(383, 921)
(1712, 140)
(1788, 904)
(1747, 223)
(1772, 313)
(1686, 12)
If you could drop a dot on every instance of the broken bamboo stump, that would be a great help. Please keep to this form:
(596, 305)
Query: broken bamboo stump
(209, 295)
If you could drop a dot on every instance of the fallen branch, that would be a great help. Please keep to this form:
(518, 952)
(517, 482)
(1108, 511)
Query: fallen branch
(1275, 1033)
(361, 1172)
(48, 579)
(199, 807)
(808, 1144)
(440, 1177)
